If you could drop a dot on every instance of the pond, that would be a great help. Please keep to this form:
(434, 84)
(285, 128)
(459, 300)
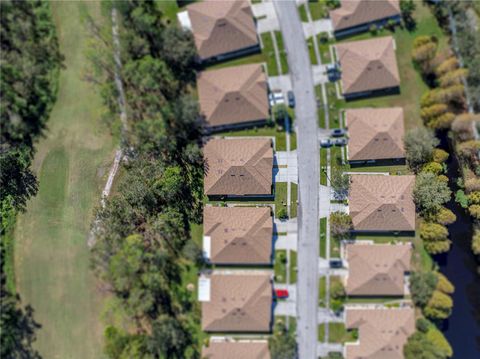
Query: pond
(462, 329)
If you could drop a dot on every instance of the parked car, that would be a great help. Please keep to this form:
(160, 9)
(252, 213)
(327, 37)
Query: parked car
(291, 99)
(336, 263)
(340, 142)
(276, 98)
(281, 293)
(338, 132)
(326, 143)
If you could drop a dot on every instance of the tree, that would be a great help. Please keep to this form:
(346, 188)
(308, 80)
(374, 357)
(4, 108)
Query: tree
(340, 224)
(454, 77)
(422, 325)
(432, 167)
(468, 150)
(474, 211)
(282, 343)
(422, 285)
(462, 126)
(430, 194)
(340, 183)
(439, 306)
(444, 285)
(419, 347)
(474, 197)
(407, 7)
(437, 338)
(441, 122)
(446, 66)
(280, 113)
(435, 237)
(476, 242)
(440, 156)
(445, 216)
(419, 145)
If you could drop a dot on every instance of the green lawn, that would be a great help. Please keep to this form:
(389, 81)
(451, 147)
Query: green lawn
(322, 289)
(294, 197)
(244, 60)
(323, 237)
(52, 260)
(169, 9)
(311, 51)
(293, 267)
(321, 333)
(303, 13)
(269, 54)
(339, 334)
(393, 170)
(324, 49)
(411, 83)
(318, 9)
(280, 266)
(266, 131)
(282, 52)
(280, 197)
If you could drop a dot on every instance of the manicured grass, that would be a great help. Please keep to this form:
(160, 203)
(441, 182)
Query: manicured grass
(321, 333)
(323, 237)
(303, 13)
(318, 9)
(293, 267)
(383, 238)
(293, 141)
(322, 290)
(294, 197)
(280, 197)
(52, 260)
(323, 165)
(337, 333)
(393, 170)
(265, 131)
(334, 247)
(411, 83)
(378, 300)
(244, 60)
(280, 266)
(269, 54)
(311, 51)
(324, 49)
(196, 233)
(169, 9)
(320, 109)
(282, 52)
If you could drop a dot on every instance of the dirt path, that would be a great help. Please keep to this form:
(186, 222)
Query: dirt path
(72, 163)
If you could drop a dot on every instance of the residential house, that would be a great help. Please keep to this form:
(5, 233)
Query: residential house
(379, 203)
(377, 269)
(238, 235)
(251, 349)
(368, 68)
(376, 136)
(382, 333)
(354, 16)
(238, 168)
(221, 29)
(234, 97)
(236, 301)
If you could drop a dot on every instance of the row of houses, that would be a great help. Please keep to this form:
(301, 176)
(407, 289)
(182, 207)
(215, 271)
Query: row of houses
(376, 203)
(234, 300)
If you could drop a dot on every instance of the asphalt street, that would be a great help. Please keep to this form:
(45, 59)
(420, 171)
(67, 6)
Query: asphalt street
(308, 176)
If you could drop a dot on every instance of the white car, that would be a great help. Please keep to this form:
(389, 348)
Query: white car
(276, 98)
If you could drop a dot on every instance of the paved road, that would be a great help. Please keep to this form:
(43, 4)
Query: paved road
(308, 174)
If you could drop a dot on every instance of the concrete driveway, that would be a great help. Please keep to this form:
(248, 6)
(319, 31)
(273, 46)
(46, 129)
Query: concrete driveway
(266, 17)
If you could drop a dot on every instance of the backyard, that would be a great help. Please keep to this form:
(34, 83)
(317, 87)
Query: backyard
(52, 260)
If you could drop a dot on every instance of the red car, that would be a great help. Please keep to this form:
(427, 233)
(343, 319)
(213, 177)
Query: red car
(281, 293)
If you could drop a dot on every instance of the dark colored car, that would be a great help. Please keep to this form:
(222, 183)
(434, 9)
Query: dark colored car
(291, 99)
(338, 132)
(326, 143)
(340, 142)
(336, 263)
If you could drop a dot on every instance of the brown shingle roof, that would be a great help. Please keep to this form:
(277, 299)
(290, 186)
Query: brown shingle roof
(358, 12)
(238, 167)
(238, 303)
(220, 27)
(375, 133)
(382, 333)
(382, 203)
(377, 269)
(233, 95)
(368, 65)
(239, 235)
(237, 350)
